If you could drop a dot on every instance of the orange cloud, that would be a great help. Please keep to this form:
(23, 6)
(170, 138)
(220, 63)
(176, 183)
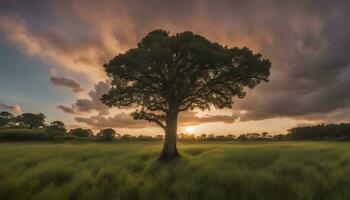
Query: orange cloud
(100, 37)
(124, 120)
(307, 45)
(54, 47)
(12, 108)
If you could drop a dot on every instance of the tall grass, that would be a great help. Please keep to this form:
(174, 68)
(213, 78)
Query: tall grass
(285, 170)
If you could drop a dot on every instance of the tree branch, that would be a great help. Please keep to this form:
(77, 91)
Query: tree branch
(151, 117)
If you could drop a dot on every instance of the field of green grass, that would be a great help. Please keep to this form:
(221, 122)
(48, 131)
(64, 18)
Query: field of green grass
(280, 170)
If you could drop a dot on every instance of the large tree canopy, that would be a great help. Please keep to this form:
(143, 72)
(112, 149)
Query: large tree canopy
(167, 74)
(6, 118)
(31, 120)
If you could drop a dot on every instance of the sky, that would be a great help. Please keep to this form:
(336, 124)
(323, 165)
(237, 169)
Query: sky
(52, 53)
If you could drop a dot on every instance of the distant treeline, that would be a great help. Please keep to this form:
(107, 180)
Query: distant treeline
(321, 132)
(29, 126)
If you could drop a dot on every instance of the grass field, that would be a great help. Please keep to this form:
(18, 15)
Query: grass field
(281, 170)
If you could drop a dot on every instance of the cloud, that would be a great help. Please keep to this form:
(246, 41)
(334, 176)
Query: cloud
(12, 108)
(192, 118)
(308, 45)
(310, 66)
(66, 82)
(124, 120)
(121, 120)
(55, 46)
(70, 110)
(92, 103)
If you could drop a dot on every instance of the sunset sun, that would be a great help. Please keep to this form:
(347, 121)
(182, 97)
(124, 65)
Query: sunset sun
(190, 129)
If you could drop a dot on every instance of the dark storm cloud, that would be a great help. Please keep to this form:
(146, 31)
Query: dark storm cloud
(311, 66)
(66, 82)
(307, 41)
(86, 105)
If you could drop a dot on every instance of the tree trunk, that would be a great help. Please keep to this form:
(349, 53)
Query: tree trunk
(169, 151)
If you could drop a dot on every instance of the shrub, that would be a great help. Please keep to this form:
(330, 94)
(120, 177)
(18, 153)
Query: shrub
(321, 132)
(146, 138)
(80, 132)
(128, 137)
(32, 121)
(6, 119)
(64, 137)
(51, 133)
(279, 137)
(22, 134)
(242, 137)
(107, 134)
(57, 126)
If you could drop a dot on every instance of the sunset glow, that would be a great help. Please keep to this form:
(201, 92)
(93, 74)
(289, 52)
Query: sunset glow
(190, 129)
(174, 99)
(52, 58)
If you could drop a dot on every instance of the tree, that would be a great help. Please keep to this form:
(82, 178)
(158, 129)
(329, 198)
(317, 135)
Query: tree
(80, 132)
(6, 118)
(279, 137)
(159, 137)
(145, 138)
(265, 134)
(211, 137)
(107, 134)
(128, 137)
(203, 137)
(321, 132)
(57, 126)
(230, 137)
(220, 138)
(31, 120)
(167, 74)
(242, 137)
(253, 135)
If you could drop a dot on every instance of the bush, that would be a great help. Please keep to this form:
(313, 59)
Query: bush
(321, 132)
(32, 121)
(64, 137)
(22, 134)
(128, 137)
(279, 137)
(51, 133)
(58, 126)
(107, 134)
(6, 119)
(80, 132)
(145, 138)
